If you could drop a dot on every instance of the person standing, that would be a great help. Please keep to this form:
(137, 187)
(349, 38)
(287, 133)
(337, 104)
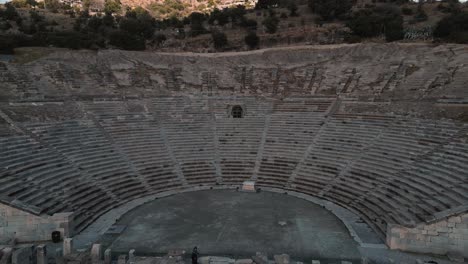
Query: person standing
(195, 255)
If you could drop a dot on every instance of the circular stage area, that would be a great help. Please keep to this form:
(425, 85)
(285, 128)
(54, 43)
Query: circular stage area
(231, 223)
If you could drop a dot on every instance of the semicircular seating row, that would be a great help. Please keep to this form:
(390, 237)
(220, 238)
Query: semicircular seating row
(388, 169)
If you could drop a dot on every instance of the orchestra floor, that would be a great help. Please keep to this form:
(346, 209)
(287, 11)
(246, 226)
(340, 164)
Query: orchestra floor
(232, 223)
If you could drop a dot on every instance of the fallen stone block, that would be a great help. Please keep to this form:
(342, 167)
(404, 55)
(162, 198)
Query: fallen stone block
(315, 261)
(260, 258)
(23, 255)
(96, 253)
(243, 261)
(215, 260)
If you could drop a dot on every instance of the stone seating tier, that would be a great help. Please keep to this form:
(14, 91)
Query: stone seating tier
(390, 169)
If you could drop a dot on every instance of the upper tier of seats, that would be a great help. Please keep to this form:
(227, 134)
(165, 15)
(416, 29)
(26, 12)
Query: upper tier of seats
(382, 71)
(98, 155)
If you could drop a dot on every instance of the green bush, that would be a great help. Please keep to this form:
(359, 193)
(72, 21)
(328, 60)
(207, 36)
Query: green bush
(5, 25)
(8, 43)
(271, 24)
(126, 41)
(19, 3)
(249, 24)
(197, 28)
(330, 9)
(265, 4)
(168, 8)
(219, 39)
(10, 12)
(453, 28)
(407, 11)
(420, 15)
(52, 5)
(292, 7)
(385, 20)
(112, 6)
(139, 23)
(94, 23)
(159, 38)
(252, 40)
(219, 17)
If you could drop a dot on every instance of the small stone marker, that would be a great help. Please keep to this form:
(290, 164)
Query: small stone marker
(346, 262)
(122, 259)
(364, 260)
(281, 259)
(67, 246)
(96, 253)
(107, 256)
(260, 258)
(41, 254)
(248, 186)
(131, 256)
(315, 261)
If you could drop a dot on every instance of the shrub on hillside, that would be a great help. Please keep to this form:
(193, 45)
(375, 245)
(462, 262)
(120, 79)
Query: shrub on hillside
(138, 23)
(108, 20)
(420, 15)
(112, 6)
(73, 40)
(453, 28)
(407, 11)
(35, 17)
(159, 38)
(19, 3)
(265, 4)
(219, 39)
(385, 20)
(8, 43)
(5, 25)
(52, 5)
(252, 40)
(10, 12)
(271, 24)
(219, 17)
(292, 7)
(126, 41)
(197, 28)
(330, 9)
(249, 24)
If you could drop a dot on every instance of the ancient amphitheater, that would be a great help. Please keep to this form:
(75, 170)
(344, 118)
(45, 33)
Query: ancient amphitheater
(379, 130)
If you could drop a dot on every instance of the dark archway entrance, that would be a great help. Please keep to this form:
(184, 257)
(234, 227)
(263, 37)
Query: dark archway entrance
(237, 111)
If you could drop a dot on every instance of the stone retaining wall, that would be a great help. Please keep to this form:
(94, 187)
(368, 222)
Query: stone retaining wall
(441, 237)
(25, 227)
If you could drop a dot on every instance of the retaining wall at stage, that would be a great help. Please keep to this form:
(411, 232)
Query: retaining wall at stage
(440, 237)
(24, 226)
